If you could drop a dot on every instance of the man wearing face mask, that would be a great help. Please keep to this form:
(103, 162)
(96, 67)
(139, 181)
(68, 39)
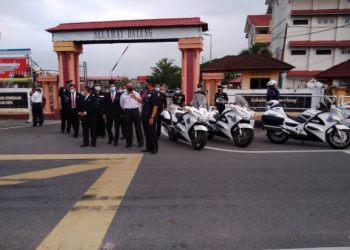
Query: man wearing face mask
(87, 111)
(162, 104)
(73, 100)
(113, 113)
(178, 98)
(101, 125)
(130, 103)
(221, 99)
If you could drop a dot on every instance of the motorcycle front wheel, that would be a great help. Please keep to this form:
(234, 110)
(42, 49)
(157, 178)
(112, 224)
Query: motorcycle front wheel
(243, 138)
(339, 140)
(277, 137)
(199, 141)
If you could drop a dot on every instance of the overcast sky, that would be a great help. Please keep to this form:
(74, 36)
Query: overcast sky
(23, 24)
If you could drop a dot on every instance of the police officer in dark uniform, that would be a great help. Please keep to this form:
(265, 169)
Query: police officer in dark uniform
(113, 113)
(178, 98)
(101, 123)
(149, 118)
(221, 99)
(62, 94)
(163, 104)
(88, 111)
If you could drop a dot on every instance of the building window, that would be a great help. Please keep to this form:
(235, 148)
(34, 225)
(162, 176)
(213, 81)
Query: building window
(300, 22)
(345, 51)
(326, 20)
(262, 31)
(347, 18)
(258, 83)
(298, 52)
(323, 52)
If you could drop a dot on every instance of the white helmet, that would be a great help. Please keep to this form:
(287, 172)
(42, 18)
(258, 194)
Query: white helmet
(272, 83)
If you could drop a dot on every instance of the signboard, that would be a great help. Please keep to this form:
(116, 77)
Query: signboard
(13, 68)
(13, 100)
(290, 102)
(129, 34)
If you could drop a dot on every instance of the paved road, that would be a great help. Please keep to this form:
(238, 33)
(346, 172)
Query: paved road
(218, 198)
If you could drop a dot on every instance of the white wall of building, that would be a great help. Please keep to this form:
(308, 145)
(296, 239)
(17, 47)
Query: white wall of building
(313, 31)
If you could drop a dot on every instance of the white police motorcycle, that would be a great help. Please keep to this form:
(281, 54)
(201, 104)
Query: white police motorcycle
(235, 123)
(188, 123)
(322, 124)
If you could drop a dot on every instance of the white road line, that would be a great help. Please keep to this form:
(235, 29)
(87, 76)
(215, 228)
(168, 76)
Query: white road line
(28, 126)
(319, 248)
(301, 151)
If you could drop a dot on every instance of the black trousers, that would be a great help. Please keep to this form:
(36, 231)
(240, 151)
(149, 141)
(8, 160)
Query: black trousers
(220, 107)
(38, 115)
(122, 124)
(101, 125)
(150, 134)
(89, 130)
(159, 123)
(132, 117)
(64, 116)
(73, 121)
(110, 120)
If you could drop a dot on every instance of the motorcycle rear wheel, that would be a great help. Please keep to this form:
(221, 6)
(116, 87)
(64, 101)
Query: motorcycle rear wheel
(277, 137)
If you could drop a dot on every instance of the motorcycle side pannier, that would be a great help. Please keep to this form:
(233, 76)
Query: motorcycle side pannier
(272, 120)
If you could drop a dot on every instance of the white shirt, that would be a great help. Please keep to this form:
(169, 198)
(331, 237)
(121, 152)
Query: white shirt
(126, 102)
(37, 97)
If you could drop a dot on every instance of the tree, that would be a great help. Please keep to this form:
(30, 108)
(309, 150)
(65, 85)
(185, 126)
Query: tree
(167, 72)
(258, 48)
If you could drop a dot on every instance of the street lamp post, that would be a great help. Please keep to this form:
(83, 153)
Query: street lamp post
(211, 41)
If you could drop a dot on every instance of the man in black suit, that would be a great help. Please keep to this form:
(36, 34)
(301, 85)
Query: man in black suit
(62, 94)
(88, 112)
(73, 101)
(113, 113)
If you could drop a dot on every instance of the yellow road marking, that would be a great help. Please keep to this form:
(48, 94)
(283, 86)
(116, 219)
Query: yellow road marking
(86, 224)
(51, 173)
(61, 157)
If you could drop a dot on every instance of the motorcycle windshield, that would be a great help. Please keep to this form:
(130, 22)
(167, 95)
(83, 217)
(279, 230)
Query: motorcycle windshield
(241, 101)
(199, 101)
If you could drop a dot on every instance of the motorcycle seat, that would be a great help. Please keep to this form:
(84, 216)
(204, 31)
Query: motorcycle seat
(217, 116)
(297, 119)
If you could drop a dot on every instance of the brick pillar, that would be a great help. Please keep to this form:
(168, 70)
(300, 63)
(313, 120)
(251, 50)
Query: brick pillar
(68, 62)
(191, 49)
(211, 81)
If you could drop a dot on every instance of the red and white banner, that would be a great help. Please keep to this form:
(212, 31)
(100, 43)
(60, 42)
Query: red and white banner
(13, 68)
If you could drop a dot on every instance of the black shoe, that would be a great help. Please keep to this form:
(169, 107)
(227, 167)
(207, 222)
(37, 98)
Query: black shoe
(145, 150)
(128, 146)
(115, 143)
(35, 125)
(84, 145)
(68, 131)
(154, 152)
(75, 136)
(62, 131)
(40, 125)
(109, 142)
(93, 145)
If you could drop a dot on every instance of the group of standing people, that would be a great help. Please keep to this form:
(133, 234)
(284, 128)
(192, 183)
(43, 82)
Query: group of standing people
(123, 109)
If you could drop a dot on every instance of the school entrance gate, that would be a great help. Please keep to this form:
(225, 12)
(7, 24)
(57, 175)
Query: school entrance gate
(68, 40)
